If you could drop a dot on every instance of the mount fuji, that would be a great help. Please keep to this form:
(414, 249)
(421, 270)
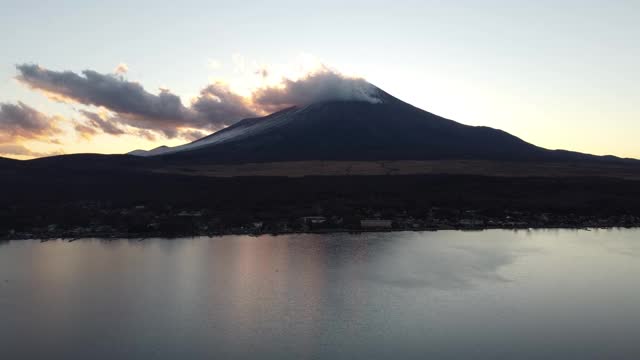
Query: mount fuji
(385, 128)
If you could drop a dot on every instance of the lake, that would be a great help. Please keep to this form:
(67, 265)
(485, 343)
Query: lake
(497, 294)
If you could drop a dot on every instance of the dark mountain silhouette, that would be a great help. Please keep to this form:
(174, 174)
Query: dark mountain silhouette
(356, 130)
(5, 161)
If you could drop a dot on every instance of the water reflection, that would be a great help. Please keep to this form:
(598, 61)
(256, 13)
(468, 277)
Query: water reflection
(412, 262)
(411, 295)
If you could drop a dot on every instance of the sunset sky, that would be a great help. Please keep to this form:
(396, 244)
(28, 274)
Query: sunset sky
(123, 75)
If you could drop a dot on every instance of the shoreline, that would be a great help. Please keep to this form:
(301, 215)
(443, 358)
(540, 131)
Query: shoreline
(69, 237)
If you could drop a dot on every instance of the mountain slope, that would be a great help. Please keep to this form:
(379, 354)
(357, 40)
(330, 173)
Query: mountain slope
(7, 161)
(357, 130)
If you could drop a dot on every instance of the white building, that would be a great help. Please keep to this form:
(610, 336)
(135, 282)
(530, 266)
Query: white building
(314, 219)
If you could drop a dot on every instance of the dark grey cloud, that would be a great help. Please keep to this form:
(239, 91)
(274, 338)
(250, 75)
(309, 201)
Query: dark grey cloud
(85, 131)
(324, 85)
(105, 90)
(20, 121)
(219, 104)
(132, 105)
(96, 122)
(149, 135)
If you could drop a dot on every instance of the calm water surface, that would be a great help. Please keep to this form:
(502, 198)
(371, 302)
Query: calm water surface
(444, 295)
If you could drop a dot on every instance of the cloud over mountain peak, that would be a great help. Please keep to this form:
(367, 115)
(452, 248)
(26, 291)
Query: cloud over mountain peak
(320, 86)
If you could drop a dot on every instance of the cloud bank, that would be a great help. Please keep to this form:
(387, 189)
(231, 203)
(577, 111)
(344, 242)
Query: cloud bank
(133, 106)
(20, 121)
(219, 105)
(127, 108)
(95, 121)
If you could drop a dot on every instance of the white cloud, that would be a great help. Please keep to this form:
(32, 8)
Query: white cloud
(121, 69)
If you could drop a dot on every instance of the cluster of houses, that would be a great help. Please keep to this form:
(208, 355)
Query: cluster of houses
(318, 221)
(139, 220)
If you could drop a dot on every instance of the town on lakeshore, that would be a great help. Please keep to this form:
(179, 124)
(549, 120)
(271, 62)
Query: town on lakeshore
(141, 221)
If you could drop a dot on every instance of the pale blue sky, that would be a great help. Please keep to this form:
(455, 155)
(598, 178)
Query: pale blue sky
(560, 74)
